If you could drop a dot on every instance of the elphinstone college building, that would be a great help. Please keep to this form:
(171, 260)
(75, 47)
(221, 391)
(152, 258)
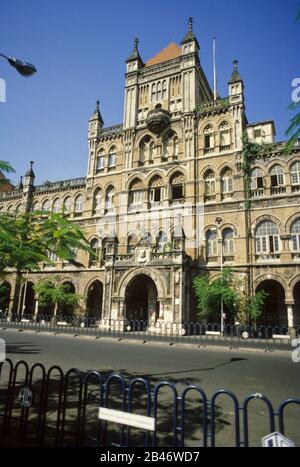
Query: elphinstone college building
(164, 200)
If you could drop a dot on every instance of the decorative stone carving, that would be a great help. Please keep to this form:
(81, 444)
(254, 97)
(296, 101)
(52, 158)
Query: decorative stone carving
(158, 120)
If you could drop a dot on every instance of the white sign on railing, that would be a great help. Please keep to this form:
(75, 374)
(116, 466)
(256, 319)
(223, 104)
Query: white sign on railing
(277, 440)
(128, 419)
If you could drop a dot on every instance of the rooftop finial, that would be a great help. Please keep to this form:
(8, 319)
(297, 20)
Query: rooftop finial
(31, 164)
(136, 43)
(97, 104)
(235, 64)
(191, 22)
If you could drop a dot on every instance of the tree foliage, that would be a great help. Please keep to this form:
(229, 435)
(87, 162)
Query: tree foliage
(52, 293)
(237, 304)
(5, 168)
(28, 239)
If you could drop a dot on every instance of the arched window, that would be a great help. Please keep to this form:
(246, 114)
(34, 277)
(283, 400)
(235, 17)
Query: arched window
(10, 209)
(18, 208)
(277, 176)
(211, 243)
(136, 193)
(228, 242)
(79, 205)
(109, 199)
(257, 181)
(68, 203)
(112, 157)
(177, 186)
(267, 238)
(295, 240)
(224, 136)
(146, 148)
(57, 206)
(95, 247)
(210, 184)
(161, 241)
(100, 164)
(153, 92)
(156, 190)
(46, 206)
(227, 182)
(36, 206)
(159, 91)
(104, 249)
(97, 204)
(295, 174)
(209, 142)
(170, 145)
(131, 244)
(164, 90)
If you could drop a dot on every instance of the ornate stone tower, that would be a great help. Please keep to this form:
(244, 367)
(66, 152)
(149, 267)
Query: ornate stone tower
(28, 188)
(95, 127)
(237, 102)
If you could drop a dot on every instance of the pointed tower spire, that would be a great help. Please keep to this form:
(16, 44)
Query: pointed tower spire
(190, 36)
(20, 184)
(97, 115)
(30, 172)
(235, 76)
(135, 56)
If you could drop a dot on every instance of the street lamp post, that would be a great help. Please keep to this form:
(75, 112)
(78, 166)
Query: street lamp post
(24, 68)
(219, 222)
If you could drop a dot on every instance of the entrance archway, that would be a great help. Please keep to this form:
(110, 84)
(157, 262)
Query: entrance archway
(67, 310)
(275, 311)
(94, 300)
(5, 292)
(297, 304)
(141, 299)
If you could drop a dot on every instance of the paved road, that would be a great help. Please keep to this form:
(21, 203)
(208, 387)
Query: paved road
(273, 374)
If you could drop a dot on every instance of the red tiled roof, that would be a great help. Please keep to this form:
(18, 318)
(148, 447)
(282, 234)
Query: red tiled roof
(170, 52)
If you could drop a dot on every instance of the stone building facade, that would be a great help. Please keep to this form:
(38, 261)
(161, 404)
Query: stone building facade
(164, 199)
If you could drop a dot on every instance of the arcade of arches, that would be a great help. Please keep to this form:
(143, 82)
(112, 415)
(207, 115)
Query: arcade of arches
(141, 301)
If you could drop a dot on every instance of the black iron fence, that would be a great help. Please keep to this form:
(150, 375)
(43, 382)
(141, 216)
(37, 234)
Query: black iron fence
(57, 408)
(202, 334)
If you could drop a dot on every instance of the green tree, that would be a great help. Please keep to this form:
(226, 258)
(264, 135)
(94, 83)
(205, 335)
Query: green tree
(250, 307)
(238, 306)
(5, 168)
(51, 293)
(28, 239)
(209, 295)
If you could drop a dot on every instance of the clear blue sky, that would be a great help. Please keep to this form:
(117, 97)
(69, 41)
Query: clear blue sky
(80, 47)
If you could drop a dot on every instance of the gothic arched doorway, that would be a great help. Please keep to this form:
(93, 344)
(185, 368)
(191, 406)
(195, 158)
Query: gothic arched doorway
(274, 311)
(297, 304)
(67, 310)
(5, 292)
(141, 299)
(94, 300)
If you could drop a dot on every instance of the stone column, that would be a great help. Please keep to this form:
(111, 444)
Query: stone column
(161, 310)
(290, 317)
(36, 308)
(122, 309)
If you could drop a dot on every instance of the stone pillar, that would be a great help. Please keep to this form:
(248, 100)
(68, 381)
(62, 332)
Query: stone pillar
(122, 309)
(36, 308)
(161, 310)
